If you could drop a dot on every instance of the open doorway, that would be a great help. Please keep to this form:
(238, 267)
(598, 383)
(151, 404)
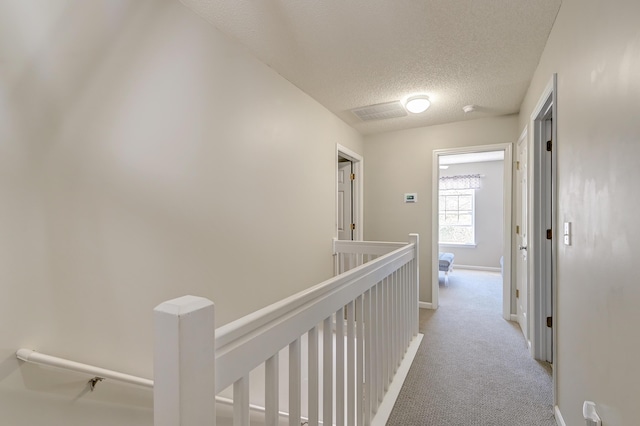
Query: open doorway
(349, 192)
(457, 200)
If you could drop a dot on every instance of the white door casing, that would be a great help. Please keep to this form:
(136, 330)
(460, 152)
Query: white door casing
(357, 190)
(345, 200)
(507, 214)
(522, 278)
(542, 250)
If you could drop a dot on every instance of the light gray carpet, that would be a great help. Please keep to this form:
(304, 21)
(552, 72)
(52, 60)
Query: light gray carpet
(473, 367)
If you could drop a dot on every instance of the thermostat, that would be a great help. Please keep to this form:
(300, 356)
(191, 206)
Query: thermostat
(411, 197)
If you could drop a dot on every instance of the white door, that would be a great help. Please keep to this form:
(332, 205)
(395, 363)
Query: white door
(522, 279)
(345, 201)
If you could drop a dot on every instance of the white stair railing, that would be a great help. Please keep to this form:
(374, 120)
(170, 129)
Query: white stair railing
(361, 321)
(381, 305)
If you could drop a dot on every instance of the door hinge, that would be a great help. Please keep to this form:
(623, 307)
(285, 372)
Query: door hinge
(352, 176)
(517, 165)
(353, 226)
(549, 235)
(549, 322)
(517, 293)
(518, 229)
(549, 145)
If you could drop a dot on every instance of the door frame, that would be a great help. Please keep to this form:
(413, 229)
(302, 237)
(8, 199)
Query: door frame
(544, 292)
(523, 139)
(358, 189)
(507, 214)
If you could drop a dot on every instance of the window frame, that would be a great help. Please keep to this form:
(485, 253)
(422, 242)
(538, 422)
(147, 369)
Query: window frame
(470, 191)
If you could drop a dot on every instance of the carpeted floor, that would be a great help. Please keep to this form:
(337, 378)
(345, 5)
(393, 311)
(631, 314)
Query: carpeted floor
(473, 367)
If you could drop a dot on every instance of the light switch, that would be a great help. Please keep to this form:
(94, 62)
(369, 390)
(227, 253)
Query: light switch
(567, 233)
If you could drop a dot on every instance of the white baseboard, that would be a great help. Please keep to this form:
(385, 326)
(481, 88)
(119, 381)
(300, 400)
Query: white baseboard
(558, 414)
(514, 317)
(476, 268)
(384, 411)
(425, 305)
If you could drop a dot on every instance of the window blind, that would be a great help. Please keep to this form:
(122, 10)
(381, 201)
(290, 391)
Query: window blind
(460, 182)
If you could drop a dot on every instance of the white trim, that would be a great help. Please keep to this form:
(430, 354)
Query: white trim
(514, 317)
(358, 189)
(537, 309)
(507, 214)
(517, 212)
(454, 245)
(558, 414)
(540, 268)
(477, 268)
(425, 305)
(384, 410)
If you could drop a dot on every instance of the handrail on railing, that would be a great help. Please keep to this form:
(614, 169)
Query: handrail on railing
(232, 338)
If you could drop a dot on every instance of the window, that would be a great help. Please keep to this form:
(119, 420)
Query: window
(457, 211)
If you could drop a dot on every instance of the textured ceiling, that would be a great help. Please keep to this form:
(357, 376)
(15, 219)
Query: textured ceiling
(352, 53)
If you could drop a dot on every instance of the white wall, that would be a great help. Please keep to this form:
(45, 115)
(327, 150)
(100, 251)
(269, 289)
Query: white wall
(400, 162)
(595, 49)
(144, 156)
(489, 217)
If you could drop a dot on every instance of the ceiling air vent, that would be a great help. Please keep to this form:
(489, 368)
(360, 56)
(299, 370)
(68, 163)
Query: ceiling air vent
(380, 111)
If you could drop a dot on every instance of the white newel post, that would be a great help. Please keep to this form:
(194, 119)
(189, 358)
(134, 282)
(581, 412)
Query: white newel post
(184, 363)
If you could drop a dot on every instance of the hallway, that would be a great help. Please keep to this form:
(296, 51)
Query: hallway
(473, 367)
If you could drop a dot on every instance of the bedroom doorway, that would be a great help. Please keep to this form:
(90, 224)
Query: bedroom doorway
(464, 231)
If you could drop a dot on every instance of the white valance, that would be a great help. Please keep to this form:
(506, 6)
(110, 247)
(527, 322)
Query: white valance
(460, 182)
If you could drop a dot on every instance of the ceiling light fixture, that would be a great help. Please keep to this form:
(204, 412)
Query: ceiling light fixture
(417, 104)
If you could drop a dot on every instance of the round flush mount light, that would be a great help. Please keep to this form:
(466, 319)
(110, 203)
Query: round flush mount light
(417, 104)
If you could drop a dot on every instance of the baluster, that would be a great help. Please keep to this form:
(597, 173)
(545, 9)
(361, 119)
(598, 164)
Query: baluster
(416, 288)
(398, 344)
(294, 383)
(381, 343)
(351, 363)
(241, 402)
(313, 403)
(386, 344)
(415, 280)
(375, 343)
(411, 309)
(339, 369)
(360, 361)
(327, 362)
(271, 391)
(389, 333)
(393, 324)
(409, 331)
(368, 344)
(407, 310)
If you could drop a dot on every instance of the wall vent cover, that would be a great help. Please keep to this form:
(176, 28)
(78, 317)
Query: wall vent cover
(380, 111)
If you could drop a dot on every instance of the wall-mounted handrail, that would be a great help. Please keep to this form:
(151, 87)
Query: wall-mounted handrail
(32, 356)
